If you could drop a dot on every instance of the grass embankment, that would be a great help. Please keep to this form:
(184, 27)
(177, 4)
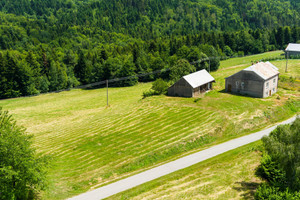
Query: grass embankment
(228, 176)
(93, 144)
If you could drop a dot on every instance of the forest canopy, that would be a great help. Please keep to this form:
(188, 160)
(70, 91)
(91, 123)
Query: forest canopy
(49, 45)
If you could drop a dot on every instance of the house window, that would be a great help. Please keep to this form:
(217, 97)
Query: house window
(242, 85)
(237, 84)
(273, 89)
(274, 80)
(267, 85)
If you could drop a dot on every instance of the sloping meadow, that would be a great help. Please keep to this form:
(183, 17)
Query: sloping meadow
(92, 144)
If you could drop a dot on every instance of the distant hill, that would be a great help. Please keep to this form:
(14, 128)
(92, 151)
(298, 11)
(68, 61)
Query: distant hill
(153, 18)
(49, 45)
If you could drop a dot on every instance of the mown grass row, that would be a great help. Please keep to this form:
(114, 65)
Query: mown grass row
(157, 134)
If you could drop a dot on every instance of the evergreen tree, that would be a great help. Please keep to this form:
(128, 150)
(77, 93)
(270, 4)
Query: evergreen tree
(287, 35)
(83, 70)
(104, 54)
(295, 34)
(228, 51)
(34, 68)
(127, 70)
(44, 84)
(135, 54)
(3, 80)
(26, 79)
(11, 73)
(58, 78)
(280, 37)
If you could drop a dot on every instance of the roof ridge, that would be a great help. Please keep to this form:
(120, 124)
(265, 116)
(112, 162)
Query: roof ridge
(265, 70)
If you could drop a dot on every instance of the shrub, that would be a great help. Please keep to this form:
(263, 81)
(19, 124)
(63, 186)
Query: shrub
(148, 93)
(267, 192)
(280, 164)
(283, 147)
(271, 171)
(160, 86)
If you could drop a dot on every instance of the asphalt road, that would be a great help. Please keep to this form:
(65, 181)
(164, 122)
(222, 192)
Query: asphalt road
(173, 166)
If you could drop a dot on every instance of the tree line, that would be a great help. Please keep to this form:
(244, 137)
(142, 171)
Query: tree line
(29, 69)
(52, 45)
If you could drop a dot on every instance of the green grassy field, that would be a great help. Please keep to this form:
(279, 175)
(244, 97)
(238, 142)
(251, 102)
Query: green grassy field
(93, 145)
(247, 60)
(227, 176)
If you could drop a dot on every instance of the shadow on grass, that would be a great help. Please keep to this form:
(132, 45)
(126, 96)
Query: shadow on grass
(223, 91)
(238, 94)
(247, 189)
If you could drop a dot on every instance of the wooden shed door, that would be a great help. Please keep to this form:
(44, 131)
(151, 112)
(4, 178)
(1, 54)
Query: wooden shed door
(229, 87)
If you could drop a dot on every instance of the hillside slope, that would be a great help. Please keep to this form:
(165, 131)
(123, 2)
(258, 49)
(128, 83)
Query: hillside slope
(93, 144)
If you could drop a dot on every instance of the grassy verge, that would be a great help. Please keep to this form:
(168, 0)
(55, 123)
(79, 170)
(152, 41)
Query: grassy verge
(93, 145)
(227, 176)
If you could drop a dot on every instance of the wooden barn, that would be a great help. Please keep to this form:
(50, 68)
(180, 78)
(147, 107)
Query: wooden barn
(292, 50)
(259, 80)
(192, 85)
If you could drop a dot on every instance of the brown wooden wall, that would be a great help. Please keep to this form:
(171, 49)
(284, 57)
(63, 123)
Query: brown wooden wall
(181, 88)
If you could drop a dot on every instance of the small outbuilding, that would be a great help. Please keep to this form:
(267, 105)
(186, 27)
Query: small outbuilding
(292, 49)
(259, 80)
(192, 85)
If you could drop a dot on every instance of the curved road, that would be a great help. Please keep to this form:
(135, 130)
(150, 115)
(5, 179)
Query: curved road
(173, 166)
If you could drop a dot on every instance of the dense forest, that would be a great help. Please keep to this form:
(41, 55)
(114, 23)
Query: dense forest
(49, 45)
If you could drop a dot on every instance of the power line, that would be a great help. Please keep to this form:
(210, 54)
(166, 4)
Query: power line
(119, 79)
(90, 85)
(145, 74)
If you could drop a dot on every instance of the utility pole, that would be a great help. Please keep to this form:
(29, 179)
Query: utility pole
(107, 92)
(287, 58)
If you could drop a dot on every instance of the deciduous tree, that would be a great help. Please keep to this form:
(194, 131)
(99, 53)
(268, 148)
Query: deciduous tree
(22, 171)
(181, 68)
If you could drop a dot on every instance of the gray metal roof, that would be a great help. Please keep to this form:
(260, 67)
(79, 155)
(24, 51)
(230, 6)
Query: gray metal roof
(293, 47)
(199, 78)
(264, 70)
(272, 65)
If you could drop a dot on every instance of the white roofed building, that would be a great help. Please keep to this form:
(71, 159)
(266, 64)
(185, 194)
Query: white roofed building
(292, 49)
(259, 80)
(192, 85)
